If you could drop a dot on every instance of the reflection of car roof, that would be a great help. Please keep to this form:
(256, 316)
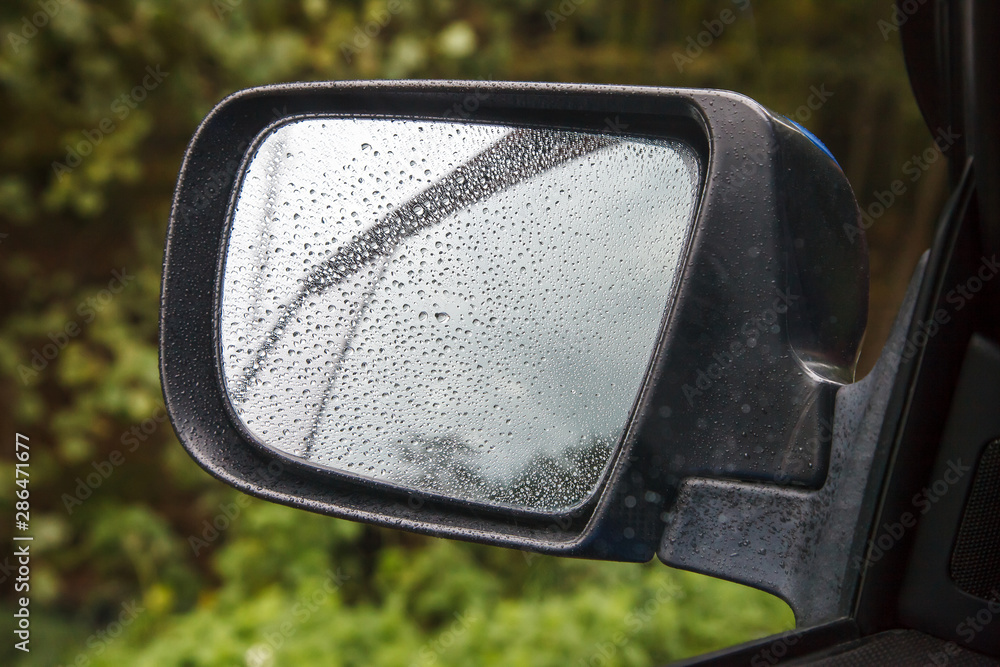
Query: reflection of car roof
(523, 153)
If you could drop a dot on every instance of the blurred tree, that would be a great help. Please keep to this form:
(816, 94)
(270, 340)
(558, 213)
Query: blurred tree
(99, 101)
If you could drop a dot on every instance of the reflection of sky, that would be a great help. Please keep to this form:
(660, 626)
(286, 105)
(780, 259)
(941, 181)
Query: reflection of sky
(522, 326)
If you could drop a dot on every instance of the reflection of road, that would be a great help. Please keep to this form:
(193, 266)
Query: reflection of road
(516, 157)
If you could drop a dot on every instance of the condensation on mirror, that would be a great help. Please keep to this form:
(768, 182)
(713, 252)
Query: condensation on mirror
(457, 309)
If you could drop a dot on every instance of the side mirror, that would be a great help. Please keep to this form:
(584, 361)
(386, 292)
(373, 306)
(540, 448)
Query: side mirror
(520, 314)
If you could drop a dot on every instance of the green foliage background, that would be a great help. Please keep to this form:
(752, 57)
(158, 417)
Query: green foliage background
(398, 599)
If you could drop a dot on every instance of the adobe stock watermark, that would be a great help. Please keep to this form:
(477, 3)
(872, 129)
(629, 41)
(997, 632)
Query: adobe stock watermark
(798, 459)
(697, 44)
(221, 177)
(757, 157)
(30, 26)
(899, 14)
(98, 642)
(914, 168)
(121, 107)
(602, 653)
(814, 102)
(968, 629)
(432, 650)
(468, 107)
(370, 29)
(262, 654)
(776, 651)
(7, 570)
(103, 469)
(973, 625)
(613, 126)
(224, 7)
(922, 502)
(212, 529)
(88, 310)
(565, 9)
(957, 298)
(763, 322)
(560, 525)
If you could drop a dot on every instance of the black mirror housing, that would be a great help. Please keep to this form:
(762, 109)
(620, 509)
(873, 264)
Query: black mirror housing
(766, 323)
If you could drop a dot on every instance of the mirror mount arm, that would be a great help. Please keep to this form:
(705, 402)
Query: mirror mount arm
(807, 546)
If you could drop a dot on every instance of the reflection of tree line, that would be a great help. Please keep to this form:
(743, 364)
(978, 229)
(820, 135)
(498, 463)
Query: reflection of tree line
(448, 465)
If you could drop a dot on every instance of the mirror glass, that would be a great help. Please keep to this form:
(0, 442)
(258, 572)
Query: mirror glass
(456, 309)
